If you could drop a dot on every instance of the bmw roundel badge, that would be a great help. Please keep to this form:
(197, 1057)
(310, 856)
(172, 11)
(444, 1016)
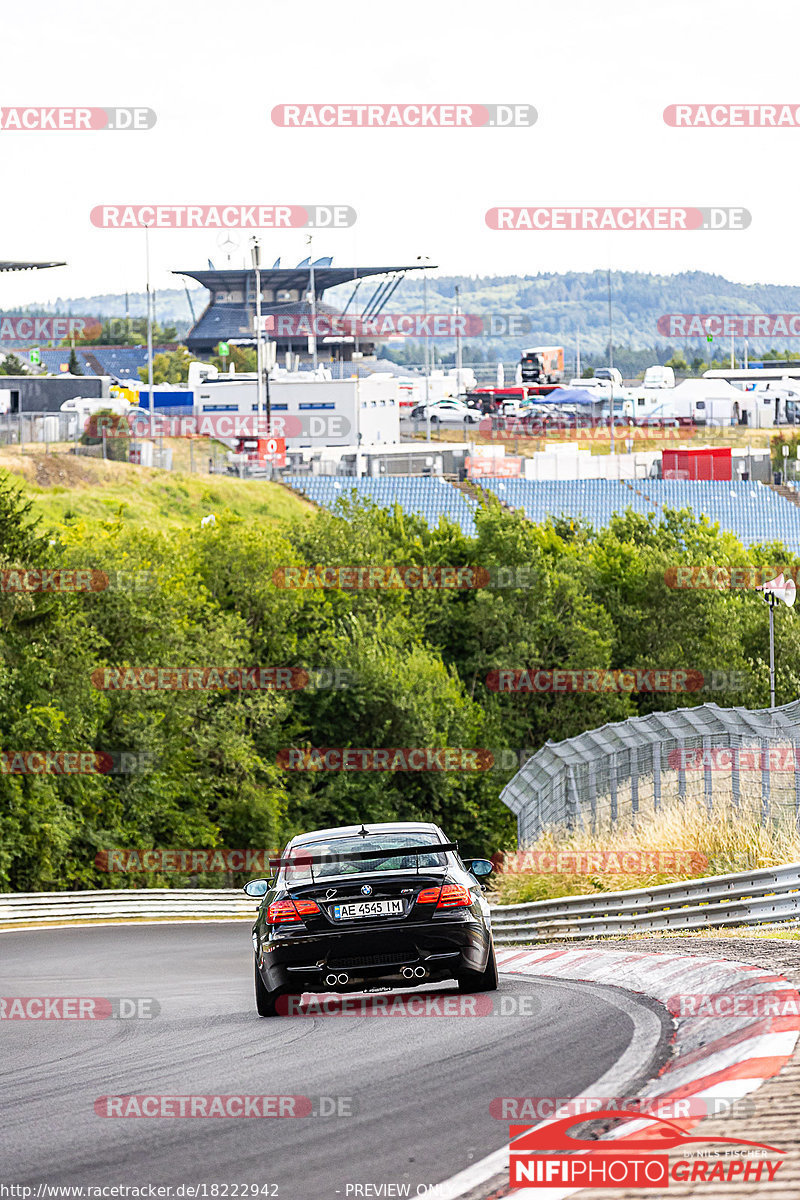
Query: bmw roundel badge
(366, 890)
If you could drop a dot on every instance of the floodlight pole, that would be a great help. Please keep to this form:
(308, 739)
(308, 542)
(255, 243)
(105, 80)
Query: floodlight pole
(312, 295)
(255, 251)
(425, 260)
(771, 602)
(149, 327)
(458, 341)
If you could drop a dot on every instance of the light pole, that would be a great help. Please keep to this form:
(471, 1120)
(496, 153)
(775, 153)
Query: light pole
(149, 327)
(312, 296)
(777, 589)
(425, 259)
(611, 364)
(255, 250)
(458, 341)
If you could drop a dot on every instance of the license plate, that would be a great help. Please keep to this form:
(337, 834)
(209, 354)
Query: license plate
(367, 908)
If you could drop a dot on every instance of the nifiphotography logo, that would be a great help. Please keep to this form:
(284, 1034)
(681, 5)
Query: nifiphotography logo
(641, 1160)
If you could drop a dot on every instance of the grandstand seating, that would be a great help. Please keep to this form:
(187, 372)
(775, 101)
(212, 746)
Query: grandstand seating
(753, 512)
(424, 496)
(120, 362)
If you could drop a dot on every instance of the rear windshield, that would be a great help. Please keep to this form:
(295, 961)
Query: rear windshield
(328, 856)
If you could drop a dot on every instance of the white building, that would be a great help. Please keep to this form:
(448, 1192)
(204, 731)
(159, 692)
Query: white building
(330, 412)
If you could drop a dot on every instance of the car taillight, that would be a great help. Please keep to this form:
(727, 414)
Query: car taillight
(452, 895)
(281, 912)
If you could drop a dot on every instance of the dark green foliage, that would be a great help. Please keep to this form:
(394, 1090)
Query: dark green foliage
(417, 666)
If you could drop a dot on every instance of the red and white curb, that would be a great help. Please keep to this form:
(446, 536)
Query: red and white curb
(713, 1055)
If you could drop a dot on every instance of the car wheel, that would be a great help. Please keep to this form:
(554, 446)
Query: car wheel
(480, 981)
(265, 1000)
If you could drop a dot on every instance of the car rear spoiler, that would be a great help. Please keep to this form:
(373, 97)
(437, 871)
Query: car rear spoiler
(304, 859)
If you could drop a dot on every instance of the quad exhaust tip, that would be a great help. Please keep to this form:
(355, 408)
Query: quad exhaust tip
(332, 979)
(414, 972)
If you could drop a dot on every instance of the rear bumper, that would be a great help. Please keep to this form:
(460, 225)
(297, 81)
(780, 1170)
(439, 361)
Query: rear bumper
(444, 948)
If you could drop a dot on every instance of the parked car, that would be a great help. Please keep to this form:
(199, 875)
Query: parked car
(447, 412)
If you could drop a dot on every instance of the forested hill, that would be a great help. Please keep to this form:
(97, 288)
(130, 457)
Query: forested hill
(558, 305)
(554, 306)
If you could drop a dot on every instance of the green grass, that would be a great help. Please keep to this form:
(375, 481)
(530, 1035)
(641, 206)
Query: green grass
(64, 488)
(730, 841)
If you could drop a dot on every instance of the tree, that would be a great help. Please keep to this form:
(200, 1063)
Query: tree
(677, 362)
(11, 365)
(170, 367)
(243, 358)
(74, 365)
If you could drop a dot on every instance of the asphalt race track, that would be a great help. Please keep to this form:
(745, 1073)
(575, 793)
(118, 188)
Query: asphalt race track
(420, 1087)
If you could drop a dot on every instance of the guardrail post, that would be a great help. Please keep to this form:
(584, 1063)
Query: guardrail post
(682, 770)
(633, 758)
(656, 751)
(573, 801)
(707, 780)
(736, 779)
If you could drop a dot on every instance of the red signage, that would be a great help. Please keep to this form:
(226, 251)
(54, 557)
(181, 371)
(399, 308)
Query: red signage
(497, 468)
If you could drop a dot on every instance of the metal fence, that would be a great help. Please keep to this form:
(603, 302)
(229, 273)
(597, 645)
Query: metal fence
(38, 428)
(620, 773)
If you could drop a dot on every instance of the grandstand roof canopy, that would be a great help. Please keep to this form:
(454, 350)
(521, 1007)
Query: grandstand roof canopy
(291, 277)
(28, 266)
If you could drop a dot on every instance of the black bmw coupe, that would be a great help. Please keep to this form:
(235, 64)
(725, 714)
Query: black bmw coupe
(360, 908)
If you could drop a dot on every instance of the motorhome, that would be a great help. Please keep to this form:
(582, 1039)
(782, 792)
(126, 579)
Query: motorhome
(659, 377)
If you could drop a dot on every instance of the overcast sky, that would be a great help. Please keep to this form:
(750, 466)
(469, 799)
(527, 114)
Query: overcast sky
(600, 76)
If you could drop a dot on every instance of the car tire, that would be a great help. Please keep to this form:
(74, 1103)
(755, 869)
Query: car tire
(266, 1000)
(481, 981)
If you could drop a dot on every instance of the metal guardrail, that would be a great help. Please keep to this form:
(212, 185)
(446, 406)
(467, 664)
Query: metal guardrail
(122, 903)
(748, 898)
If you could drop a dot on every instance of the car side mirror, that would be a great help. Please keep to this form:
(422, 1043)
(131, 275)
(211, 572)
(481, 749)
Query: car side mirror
(258, 887)
(480, 867)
